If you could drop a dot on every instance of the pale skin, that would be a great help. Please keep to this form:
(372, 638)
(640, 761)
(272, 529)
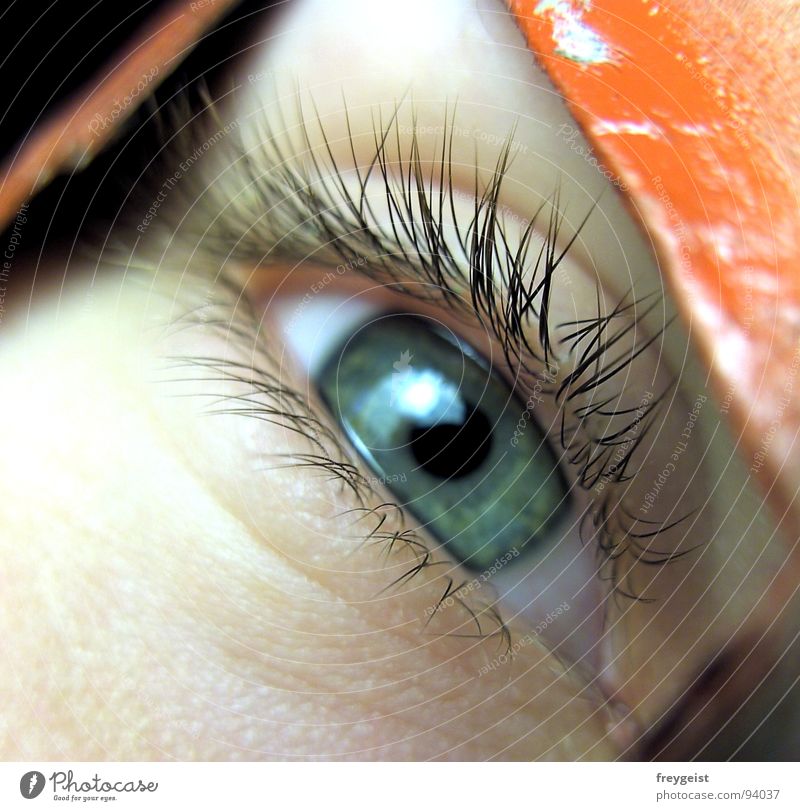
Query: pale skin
(170, 592)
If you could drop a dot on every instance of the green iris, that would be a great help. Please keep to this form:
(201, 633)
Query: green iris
(448, 437)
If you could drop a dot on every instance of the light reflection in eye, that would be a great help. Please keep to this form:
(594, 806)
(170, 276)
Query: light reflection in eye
(431, 398)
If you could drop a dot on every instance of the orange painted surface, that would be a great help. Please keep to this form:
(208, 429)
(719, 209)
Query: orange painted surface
(704, 144)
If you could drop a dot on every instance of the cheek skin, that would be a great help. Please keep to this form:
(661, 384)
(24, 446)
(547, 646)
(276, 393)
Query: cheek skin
(151, 610)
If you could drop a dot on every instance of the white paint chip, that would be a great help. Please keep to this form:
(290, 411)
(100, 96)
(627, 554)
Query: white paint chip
(573, 38)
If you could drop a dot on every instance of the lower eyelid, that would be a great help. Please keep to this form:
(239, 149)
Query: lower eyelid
(392, 569)
(358, 508)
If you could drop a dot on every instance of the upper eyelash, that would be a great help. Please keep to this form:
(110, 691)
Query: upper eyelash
(291, 212)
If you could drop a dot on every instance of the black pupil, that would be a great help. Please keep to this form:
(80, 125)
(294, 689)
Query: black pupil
(453, 450)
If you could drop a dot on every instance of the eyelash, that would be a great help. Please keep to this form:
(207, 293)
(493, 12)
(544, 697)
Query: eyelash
(301, 213)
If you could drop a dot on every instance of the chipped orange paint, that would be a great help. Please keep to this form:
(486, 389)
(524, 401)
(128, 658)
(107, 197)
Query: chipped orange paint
(694, 132)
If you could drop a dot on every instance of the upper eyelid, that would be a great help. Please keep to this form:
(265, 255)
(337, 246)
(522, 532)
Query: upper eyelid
(270, 208)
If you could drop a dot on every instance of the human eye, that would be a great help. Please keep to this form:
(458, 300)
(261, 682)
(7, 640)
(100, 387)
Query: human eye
(551, 425)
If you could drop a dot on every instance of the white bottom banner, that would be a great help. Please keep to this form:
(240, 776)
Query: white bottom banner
(388, 786)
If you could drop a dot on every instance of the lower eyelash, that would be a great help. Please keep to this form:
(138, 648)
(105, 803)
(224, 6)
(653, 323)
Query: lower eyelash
(293, 212)
(482, 620)
(264, 396)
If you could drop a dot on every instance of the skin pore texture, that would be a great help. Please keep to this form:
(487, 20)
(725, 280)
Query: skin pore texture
(182, 582)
